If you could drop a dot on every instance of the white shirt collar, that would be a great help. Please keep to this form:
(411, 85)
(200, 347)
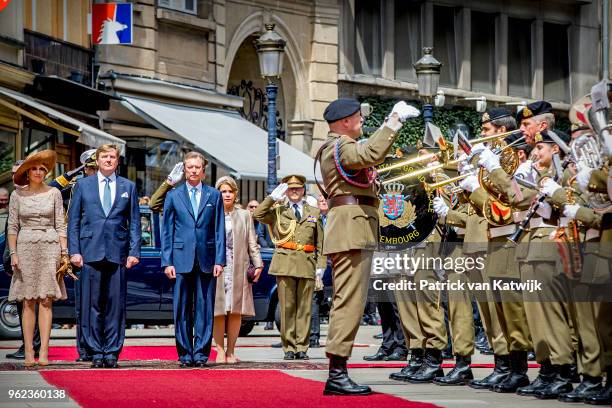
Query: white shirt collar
(198, 187)
(101, 177)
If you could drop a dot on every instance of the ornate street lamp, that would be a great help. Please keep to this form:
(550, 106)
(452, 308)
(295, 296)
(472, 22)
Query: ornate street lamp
(428, 77)
(270, 49)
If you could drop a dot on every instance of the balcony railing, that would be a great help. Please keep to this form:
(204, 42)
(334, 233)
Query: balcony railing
(50, 56)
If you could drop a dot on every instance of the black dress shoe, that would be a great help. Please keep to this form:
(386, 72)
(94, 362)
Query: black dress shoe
(545, 377)
(415, 362)
(277, 345)
(290, 355)
(531, 356)
(589, 387)
(459, 375)
(561, 384)
(314, 344)
(18, 355)
(397, 355)
(378, 336)
(110, 363)
(378, 356)
(185, 364)
(604, 397)
(431, 368)
(501, 371)
(200, 364)
(83, 359)
(269, 326)
(339, 383)
(301, 355)
(97, 363)
(516, 377)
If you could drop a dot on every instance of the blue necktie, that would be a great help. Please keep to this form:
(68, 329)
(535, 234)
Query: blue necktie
(106, 197)
(194, 202)
(296, 209)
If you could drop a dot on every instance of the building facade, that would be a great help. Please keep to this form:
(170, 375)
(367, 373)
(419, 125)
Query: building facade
(199, 54)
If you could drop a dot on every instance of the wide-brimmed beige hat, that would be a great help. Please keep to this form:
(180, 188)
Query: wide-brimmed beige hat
(46, 157)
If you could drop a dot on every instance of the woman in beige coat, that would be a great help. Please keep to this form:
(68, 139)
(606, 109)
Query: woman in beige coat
(234, 296)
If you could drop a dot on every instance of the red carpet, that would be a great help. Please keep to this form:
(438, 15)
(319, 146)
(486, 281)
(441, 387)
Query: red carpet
(206, 388)
(69, 353)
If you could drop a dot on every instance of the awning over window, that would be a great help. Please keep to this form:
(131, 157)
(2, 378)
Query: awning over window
(225, 136)
(87, 135)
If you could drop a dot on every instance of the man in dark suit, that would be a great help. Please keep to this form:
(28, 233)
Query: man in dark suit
(104, 240)
(193, 253)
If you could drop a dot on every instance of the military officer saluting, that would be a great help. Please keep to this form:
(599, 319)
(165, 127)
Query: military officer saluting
(297, 233)
(352, 224)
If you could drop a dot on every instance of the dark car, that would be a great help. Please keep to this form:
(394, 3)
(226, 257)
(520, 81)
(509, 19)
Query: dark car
(149, 291)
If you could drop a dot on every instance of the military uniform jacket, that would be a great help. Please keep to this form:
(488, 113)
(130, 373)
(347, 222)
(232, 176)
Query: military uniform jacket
(352, 226)
(308, 231)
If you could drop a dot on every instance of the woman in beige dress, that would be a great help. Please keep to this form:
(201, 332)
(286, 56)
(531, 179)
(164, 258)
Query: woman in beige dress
(37, 240)
(234, 295)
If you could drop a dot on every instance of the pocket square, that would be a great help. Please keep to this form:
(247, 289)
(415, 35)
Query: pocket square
(124, 195)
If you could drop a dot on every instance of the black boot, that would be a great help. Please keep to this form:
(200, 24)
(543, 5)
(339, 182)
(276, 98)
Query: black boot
(339, 383)
(573, 374)
(431, 368)
(415, 362)
(378, 356)
(545, 377)
(590, 386)
(605, 395)
(500, 373)
(459, 375)
(562, 383)
(518, 377)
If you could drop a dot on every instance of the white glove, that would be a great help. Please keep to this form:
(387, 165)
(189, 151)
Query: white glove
(549, 187)
(488, 160)
(393, 122)
(583, 177)
(440, 207)
(405, 111)
(279, 192)
(470, 183)
(477, 148)
(570, 210)
(319, 273)
(432, 163)
(176, 174)
(544, 210)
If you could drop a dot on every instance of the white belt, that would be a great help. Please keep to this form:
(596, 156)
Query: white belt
(539, 223)
(502, 231)
(591, 233)
(519, 216)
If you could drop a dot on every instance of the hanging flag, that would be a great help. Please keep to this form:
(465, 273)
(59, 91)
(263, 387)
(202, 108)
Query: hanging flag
(112, 23)
(3, 4)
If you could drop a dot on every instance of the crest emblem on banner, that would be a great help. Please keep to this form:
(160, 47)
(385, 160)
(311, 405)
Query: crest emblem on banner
(112, 23)
(395, 208)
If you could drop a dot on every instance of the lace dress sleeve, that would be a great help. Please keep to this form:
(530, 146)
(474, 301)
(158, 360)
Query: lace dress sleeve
(60, 221)
(13, 218)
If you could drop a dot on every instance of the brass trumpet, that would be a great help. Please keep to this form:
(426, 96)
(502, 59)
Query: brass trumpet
(431, 187)
(442, 155)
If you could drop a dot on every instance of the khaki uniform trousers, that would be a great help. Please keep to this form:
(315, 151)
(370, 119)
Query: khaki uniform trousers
(553, 322)
(295, 300)
(488, 315)
(422, 315)
(351, 277)
(509, 310)
(461, 317)
(604, 329)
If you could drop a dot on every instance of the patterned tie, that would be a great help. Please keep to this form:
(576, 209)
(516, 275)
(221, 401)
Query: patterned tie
(194, 202)
(298, 216)
(106, 197)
